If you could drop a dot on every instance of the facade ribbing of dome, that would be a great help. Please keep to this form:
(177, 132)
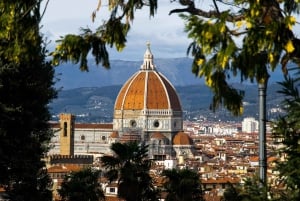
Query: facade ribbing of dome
(148, 89)
(148, 103)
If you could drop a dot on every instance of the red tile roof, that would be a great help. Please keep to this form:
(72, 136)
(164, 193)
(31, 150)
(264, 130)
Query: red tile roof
(85, 125)
(147, 89)
(64, 168)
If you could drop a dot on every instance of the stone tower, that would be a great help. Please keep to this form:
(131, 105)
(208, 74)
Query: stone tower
(67, 124)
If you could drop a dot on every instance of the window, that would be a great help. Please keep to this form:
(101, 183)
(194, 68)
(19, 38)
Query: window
(65, 129)
(156, 124)
(112, 190)
(82, 137)
(103, 138)
(133, 123)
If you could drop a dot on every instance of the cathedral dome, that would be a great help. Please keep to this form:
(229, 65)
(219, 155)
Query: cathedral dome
(114, 134)
(182, 138)
(148, 89)
(157, 136)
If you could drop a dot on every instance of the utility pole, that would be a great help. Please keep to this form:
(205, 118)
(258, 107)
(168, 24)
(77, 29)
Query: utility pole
(262, 88)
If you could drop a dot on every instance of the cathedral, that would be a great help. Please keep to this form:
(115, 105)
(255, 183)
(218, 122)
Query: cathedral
(147, 110)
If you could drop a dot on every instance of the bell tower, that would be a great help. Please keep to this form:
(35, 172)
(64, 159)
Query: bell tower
(67, 124)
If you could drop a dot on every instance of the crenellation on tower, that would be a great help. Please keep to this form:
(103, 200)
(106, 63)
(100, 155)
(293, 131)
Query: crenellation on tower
(83, 160)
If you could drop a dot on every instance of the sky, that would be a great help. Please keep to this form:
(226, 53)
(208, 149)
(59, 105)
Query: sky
(164, 32)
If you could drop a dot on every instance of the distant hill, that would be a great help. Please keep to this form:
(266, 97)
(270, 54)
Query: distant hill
(96, 104)
(91, 95)
(177, 70)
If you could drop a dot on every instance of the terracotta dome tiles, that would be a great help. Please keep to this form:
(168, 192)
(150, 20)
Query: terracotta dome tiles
(175, 103)
(122, 93)
(134, 98)
(182, 138)
(157, 135)
(147, 89)
(114, 134)
(156, 94)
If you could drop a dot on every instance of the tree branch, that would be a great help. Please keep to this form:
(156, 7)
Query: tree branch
(216, 6)
(206, 14)
(44, 10)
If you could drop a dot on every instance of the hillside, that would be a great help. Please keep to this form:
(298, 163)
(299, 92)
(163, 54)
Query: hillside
(91, 95)
(95, 104)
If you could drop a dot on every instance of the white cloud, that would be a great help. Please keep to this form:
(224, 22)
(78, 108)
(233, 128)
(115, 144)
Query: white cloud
(164, 32)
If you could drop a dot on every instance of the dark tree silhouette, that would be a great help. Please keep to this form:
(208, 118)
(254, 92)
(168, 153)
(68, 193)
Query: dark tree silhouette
(130, 167)
(182, 185)
(82, 186)
(26, 89)
(287, 132)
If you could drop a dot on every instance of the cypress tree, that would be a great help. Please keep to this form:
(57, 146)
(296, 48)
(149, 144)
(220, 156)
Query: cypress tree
(26, 88)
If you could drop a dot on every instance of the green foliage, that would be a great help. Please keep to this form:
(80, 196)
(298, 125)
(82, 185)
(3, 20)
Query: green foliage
(286, 130)
(286, 133)
(182, 185)
(236, 38)
(26, 88)
(130, 167)
(266, 33)
(113, 32)
(252, 190)
(75, 48)
(232, 193)
(82, 186)
(255, 190)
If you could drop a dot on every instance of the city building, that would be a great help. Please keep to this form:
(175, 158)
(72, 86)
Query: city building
(249, 125)
(147, 109)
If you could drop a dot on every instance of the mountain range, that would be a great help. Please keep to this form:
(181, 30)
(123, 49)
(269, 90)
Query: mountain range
(91, 95)
(177, 70)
